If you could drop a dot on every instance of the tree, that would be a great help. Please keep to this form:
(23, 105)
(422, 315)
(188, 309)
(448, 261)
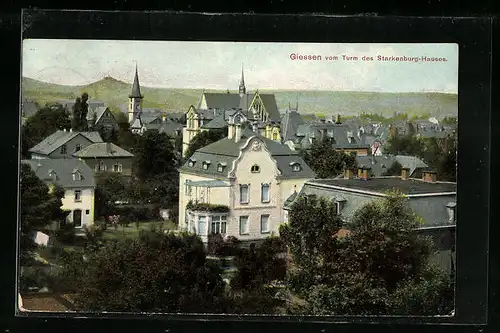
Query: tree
(155, 156)
(40, 206)
(80, 110)
(326, 161)
(380, 266)
(132, 276)
(260, 265)
(204, 139)
(111, 187)
(125, 138)
(43, 123)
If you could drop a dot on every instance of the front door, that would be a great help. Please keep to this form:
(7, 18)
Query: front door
(77, 218)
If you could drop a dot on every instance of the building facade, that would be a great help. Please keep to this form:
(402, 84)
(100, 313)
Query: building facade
(237, 186)
(107, 157)
(77, 180)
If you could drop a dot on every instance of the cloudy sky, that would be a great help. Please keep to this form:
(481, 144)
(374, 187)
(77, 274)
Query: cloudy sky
(218, 65)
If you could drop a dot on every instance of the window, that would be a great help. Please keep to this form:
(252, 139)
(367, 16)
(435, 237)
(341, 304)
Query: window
(265, 193)
(78, 195)
(205, 165)
(337, 208)
(77, 176)
(244, 193)
(218, 224)
(296, 167)
(102, 166)
(117, 167)
(264, 224)
(255, 168)
(244, 225)
(452, 218)
(191, 163)
(78, 147)
(202, 222)
(220, 168)
(63, 149)
(275, 136)
(87, 211)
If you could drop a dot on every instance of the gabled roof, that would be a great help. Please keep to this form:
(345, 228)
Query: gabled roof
(59, 138)
(136, 124)
(102, 149)
(169, 127)
(64, 170)
(216, 123)
(99, 112)
(289, 124)
(271, 106)
(222, 100)
(227, 150)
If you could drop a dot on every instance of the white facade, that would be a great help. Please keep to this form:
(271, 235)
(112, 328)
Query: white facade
(81, 202)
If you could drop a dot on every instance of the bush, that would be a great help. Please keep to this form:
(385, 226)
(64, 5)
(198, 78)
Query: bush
(219, 246)
(132, 213)
(65, 234)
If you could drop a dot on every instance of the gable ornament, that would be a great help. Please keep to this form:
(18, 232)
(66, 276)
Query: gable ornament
(256, 146)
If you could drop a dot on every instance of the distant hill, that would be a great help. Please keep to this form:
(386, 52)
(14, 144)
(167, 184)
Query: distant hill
(115, 93)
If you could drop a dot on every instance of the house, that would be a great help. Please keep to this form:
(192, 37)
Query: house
(237, 186)
(62, 144)
(380, 164)
(340, 135)
(214, 109)
(77, 180)
(102, 117)
(106, 156)
(433, 201)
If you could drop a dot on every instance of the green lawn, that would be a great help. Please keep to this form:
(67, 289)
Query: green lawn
(131, 231)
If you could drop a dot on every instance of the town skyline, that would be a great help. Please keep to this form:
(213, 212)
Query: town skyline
(82, 62)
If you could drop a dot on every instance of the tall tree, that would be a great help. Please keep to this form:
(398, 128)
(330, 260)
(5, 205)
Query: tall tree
(155, 156)
(380, 266)
(204, 139)
(80, 110)
(132, 276)
(40, 206)
(111, 187)
(43, 123)
(325, 161)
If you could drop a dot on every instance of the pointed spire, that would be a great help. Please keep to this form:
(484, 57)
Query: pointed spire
(242, 88)
(136, 89)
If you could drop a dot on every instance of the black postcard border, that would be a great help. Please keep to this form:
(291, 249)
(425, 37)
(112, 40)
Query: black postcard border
(474, 38)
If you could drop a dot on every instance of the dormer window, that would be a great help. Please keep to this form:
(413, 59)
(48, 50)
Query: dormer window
(255, 168)
(205, 165)
(295, 166)
(102, 166)
(191, 162)
(221, 166)
(77, 175)
(52, 175)
(78, 147)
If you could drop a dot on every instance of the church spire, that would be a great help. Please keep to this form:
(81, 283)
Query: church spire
(136, 89)
(242, 88)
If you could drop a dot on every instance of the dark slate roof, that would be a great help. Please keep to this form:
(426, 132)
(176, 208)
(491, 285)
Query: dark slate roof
(98, 111)
(245, 101)
(271, 107)
(380, 164)
(382, 184)
(289, 124)
(218, 122)
(136, 89)
(338, 132)
(227, 150)
(102, 149)
(63, 169)
(290, 200)
(222, 100)
(147, 118)
(57, 139)
(170, 127)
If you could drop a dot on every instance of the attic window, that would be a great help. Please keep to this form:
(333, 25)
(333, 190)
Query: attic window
(451, 208)
(255, 168)
(78, 147)
(220, 166)
(191, 162)
(205, 165)
(295, 166)
(53, 174)
(77, 175)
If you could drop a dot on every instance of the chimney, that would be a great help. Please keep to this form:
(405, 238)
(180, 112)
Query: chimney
(405, 173)
(360, 172)
(348, 173)
(337, 119)
(230, 131)
(429, 176)
(237, 133)
(365, 173)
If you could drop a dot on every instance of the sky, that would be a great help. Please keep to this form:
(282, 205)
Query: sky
(217, 65)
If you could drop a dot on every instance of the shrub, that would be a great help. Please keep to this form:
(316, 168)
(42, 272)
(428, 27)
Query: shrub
(65, 234)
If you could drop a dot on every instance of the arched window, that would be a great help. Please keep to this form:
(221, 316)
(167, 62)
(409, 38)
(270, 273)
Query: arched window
(255, 168)
(102, 166)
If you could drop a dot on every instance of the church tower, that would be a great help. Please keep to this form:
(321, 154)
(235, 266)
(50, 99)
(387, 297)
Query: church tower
(135, 99)
(242, 88)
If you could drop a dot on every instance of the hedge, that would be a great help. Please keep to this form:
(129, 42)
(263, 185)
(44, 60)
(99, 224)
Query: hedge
(132, 213)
